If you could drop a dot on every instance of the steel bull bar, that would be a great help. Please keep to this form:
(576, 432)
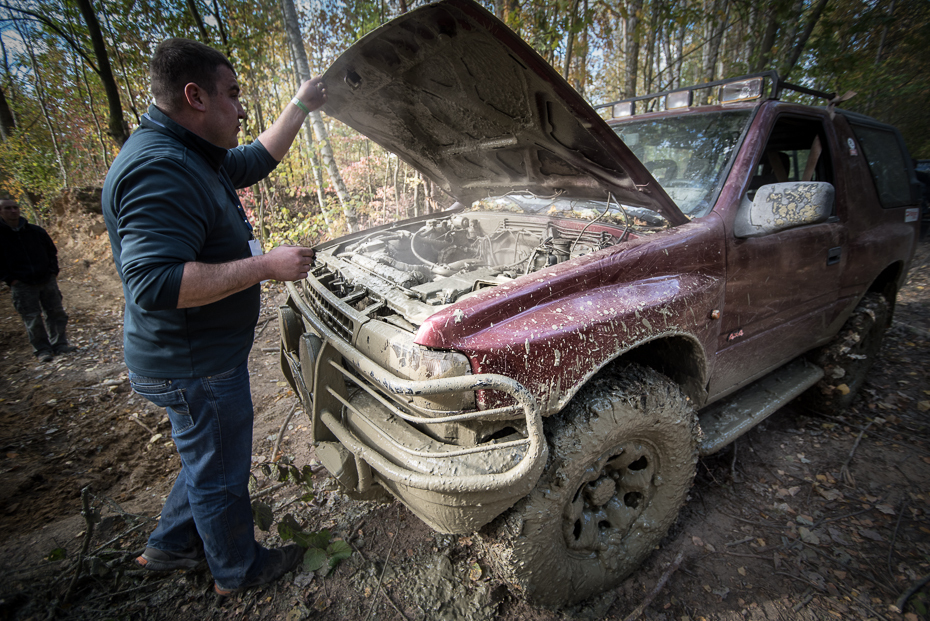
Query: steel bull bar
(523, 459)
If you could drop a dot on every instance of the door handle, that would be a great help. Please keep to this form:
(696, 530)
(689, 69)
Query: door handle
(833, 255)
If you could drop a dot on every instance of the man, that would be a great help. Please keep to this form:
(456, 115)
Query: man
(29, 265)
(184, 251)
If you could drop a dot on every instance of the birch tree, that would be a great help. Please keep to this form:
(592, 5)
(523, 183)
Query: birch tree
(315, 119)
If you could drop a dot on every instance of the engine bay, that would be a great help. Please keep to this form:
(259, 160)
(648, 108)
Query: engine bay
(440, 260)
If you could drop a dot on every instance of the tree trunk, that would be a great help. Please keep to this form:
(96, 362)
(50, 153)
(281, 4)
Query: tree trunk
(219, 25)
(749, 37)
(7, 122)
(204, 35)
(93, 113)
(713, 34)
(791, 21)
(764, 52)
(315, 167)
(40, 95)
(118, 129)
(881, 41)
(651, 46)
(631, 48)
(572, 17)
(7, 76)
(396, 184)
(123, 73)
(581, 83)
(802, 41)
(315, 118)
(417, 182)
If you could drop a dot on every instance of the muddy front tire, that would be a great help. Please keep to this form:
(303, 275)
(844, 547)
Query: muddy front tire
(621, 460)
(847, 359)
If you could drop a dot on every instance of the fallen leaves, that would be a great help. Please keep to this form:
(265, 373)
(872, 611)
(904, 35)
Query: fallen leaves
(868, 533)
(807, 536)
(828, 494)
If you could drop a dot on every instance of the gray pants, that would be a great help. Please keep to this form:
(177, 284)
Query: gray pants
(31, 301)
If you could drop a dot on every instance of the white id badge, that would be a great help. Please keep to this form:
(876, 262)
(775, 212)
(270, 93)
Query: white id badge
(256, 248)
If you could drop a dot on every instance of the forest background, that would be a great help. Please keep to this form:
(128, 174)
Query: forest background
(74, 81)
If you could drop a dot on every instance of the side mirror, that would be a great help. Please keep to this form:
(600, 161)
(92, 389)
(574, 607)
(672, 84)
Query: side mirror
(780, 206)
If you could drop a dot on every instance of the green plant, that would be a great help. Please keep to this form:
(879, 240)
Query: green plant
(321, 550)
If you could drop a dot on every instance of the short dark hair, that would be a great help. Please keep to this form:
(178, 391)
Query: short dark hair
(178, 62)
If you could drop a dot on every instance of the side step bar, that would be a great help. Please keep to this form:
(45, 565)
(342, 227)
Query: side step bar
(726, 420)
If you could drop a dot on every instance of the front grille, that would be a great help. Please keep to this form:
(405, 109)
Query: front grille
(332, 314)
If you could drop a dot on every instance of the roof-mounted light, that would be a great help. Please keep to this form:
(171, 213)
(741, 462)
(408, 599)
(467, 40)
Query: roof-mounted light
(741, 91)
(622, 109)
(679, 99)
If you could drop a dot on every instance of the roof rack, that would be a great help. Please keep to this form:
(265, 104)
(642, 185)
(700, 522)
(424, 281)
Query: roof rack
(743, 88)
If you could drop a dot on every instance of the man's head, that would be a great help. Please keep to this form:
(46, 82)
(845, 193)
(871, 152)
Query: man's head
(196, 86)
(9, 212)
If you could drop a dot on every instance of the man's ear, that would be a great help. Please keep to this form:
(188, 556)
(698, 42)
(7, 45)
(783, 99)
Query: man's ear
(194, 96)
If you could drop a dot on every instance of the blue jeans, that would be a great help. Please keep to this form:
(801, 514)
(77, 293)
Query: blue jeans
(211, 423)
(31, 302)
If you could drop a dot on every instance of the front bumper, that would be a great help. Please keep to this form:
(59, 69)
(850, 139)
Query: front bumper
(364, 422)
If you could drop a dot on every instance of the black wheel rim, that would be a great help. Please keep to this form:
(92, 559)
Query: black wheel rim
(614, 492)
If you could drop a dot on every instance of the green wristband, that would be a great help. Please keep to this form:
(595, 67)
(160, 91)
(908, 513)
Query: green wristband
(300, 105)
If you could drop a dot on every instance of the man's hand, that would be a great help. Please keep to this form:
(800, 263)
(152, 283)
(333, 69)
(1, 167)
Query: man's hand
(277, 139)
(204, 283)
(312, 93)
(289, 262)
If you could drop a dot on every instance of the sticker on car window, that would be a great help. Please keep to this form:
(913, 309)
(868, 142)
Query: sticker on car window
(852, 146)
(911, 215)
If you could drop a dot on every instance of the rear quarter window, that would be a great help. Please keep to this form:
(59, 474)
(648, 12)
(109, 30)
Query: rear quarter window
(887, 164)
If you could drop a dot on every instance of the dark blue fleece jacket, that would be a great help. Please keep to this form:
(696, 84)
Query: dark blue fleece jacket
(169, 199)
(27, 254)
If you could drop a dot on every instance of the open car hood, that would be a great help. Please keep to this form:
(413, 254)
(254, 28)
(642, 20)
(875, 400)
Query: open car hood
(459, 96)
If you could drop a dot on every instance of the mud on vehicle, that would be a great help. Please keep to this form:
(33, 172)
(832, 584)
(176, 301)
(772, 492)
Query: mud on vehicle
(613, 294)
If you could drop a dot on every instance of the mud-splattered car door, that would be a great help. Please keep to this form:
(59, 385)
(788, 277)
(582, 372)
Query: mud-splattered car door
(782, 286)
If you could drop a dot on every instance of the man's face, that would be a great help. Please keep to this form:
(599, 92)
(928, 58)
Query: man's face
(9, 211)
(223, 110)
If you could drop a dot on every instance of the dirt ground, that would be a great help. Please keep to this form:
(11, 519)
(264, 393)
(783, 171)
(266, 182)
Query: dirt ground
(804, 518)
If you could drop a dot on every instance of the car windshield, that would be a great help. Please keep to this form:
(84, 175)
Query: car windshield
(687, 154)
(605, 211)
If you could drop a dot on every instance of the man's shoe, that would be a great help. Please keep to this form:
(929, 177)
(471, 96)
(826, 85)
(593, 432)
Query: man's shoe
(45, 356)
(65, 349)
(280, 561)
(160, 560)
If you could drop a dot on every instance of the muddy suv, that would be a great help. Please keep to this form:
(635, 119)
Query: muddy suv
(607, 299)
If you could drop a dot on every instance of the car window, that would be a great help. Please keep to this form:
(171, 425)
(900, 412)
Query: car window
(687, 154)
(797, 150)
(887, 164)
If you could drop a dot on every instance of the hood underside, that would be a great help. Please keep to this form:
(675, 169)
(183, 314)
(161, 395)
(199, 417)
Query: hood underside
(457, 95)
